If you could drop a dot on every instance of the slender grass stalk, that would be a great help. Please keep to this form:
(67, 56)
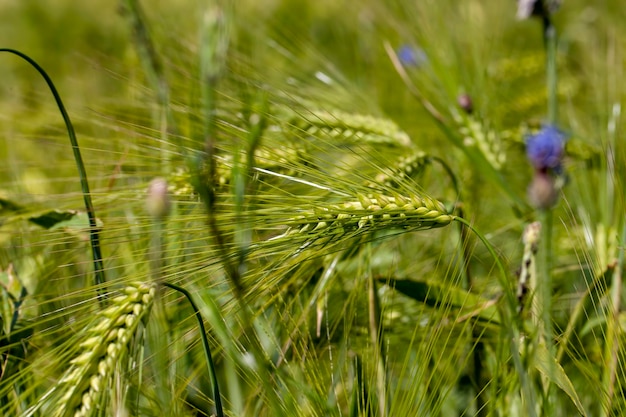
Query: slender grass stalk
(550, 40)
(478, 347)
(215, 38)
(545, 284)
(207, 349)
(613, 332)
(153, 66)
(94, 233)
(376, 337)
(360, 402)
(544, 291)
(159, 335)
(244, 183)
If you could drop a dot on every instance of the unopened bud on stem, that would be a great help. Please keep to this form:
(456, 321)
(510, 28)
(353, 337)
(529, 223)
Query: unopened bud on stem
(158, 202)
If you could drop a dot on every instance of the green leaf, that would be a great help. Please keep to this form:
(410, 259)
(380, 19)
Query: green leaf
(71, 220)
(437, 295)
(551, 369)
(52, 218)
(8, 205)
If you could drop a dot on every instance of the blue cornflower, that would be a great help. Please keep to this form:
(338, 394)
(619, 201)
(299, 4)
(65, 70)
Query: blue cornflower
(546, 149)
(411, 56)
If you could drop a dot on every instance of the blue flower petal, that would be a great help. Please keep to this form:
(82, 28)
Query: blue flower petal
(412, 57)
(546, 149)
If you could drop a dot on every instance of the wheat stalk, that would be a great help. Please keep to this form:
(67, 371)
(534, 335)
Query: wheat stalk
(105, 346)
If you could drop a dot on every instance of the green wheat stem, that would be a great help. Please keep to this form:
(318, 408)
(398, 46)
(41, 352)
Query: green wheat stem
(544, 286)
(550, 39)
(545, 281)
(453, 179)
(475, 332)
(511, 327)
(376, 336)
(612, 345)
(207, 349)
(544, 301)
(153, 67)
(244, 183)
(94, 234)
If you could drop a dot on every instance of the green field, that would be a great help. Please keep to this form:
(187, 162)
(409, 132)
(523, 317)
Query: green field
(375, 208)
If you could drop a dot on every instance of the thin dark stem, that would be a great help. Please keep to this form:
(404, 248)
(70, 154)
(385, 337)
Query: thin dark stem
(94, 233)
(207, 349)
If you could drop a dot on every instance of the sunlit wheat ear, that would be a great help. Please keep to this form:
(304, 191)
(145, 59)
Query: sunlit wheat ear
(106, 345)
(476, 134)
(350, 127)
(405, 168)
(367, 214)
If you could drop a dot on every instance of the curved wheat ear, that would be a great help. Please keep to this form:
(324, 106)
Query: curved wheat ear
(106, 346)
(403, 169)
(351, 127)
(368, 214)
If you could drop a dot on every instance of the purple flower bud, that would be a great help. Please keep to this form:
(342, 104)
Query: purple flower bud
(539, 8)
(465, 102)
(158, 201)
(545, 150)
(543, 192)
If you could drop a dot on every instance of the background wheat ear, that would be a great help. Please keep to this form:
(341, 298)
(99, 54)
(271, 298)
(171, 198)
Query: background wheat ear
(87, 385)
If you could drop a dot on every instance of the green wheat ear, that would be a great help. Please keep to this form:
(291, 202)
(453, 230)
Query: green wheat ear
(350, 127)
(104, 349)
(406, 167)
(475, 133)
(367, 214)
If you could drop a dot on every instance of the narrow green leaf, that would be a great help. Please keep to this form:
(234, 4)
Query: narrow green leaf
(551, 369)
(438, 295)
(8, 205)
(70, 220)
(52, 218)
